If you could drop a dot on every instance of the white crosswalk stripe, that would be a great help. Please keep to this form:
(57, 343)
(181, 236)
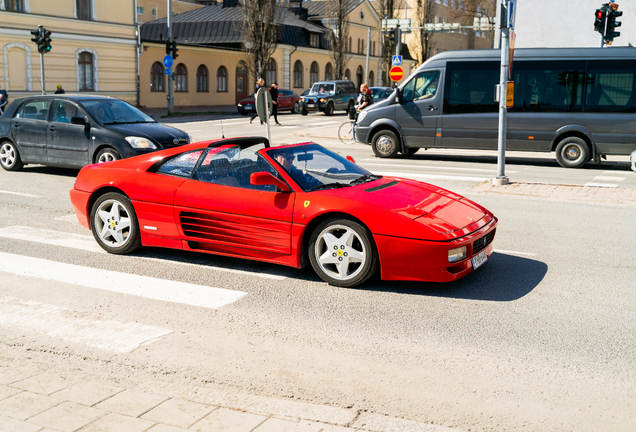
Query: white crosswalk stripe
(419, 176)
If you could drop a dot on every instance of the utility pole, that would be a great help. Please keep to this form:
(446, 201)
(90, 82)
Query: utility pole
(170, 100)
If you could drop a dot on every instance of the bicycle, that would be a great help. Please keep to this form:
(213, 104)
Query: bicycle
(347, 130)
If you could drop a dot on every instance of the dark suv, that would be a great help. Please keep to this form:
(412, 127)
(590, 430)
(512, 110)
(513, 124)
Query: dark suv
(328, 96)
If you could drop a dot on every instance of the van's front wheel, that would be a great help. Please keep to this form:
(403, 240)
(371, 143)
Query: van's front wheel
(385, 144)
(572, 152)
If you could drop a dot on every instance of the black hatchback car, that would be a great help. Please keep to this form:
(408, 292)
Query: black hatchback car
(328, 96)
(73, 131)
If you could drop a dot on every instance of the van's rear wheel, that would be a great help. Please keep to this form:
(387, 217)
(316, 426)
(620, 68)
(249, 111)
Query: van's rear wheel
(385, 144)
(572, 152)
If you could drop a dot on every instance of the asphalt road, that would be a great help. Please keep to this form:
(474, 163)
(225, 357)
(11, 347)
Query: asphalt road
(542, 337)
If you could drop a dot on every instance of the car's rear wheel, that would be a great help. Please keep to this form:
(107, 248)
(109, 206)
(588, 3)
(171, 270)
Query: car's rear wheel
(107, 154)
(114, 224)
(296, 108)
(329, 109)
(572, 152)
(342, 252)
(385, 144)
(10, 156)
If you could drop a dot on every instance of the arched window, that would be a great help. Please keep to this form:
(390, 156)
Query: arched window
(181, 78)
(298, 74)
(85, 67)
(347, 74)
(328, 72)
(313, 73)
(359, 76)
(83, 8)
(156, 77)
(270, 72)
(202, 79)
(221, 79)
(371, 79)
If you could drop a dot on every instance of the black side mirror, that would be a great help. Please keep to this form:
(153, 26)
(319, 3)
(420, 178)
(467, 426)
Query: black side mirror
(339, 91)
(79, 120)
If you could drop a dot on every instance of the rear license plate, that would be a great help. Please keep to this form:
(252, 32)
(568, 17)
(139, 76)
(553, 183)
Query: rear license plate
(479, 259)
(248, 107)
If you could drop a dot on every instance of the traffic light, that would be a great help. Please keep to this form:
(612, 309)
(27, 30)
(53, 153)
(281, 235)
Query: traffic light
(37, 37)
(612, 14)
(599, 22)
(171, 48)
(46, 41)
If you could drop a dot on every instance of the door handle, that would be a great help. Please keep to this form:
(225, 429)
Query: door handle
(52, 128)
(16, 124)
(432, 108)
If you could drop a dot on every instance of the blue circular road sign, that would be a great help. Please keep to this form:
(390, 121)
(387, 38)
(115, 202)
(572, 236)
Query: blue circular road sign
(167, 61)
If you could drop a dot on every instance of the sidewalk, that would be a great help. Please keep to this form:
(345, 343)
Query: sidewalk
(35, 400)
(588, 194)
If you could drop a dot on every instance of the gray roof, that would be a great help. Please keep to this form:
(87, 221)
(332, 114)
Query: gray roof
(319, 9)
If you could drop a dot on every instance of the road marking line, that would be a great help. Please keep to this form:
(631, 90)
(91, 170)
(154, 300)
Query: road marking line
(18, 193)
(67, 218)
(606, 185)
(74, 326)
(123, 283)
(608, 178)
(514, 252)
(493, 171)
(432, 176)
(88, 243)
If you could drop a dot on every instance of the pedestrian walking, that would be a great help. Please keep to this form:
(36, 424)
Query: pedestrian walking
(59, 90)
(260, 83)
(274, 92)
(4, 100)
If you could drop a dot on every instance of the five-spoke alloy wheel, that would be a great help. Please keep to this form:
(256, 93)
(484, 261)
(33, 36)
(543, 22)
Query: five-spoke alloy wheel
(107, 154)
(114, 224)
(342, 253)
(10, 157)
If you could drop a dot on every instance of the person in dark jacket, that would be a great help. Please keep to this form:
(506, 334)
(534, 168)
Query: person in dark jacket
(260, 83)
(274, 92)
(59, 90)
(4, 100)
(365, 98)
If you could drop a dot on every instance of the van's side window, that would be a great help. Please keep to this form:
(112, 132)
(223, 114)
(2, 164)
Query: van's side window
(611, 86)
(549, 86)
(470, 87)
(423, 86)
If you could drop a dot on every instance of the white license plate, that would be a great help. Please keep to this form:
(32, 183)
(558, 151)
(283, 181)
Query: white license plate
(479, 259)
(248, 107)
(310, 105)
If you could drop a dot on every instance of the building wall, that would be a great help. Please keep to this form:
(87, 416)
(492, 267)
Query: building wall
(160, 9)
(111, 38)
(569, 24)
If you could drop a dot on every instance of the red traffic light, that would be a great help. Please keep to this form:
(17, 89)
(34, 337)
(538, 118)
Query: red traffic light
(600, 14)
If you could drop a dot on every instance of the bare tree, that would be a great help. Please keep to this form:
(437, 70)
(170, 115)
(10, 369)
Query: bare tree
(424, 12)
(337, 12)
(471, 9)
(260, 34)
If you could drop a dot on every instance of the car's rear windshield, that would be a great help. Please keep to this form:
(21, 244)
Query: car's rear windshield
(115, 111)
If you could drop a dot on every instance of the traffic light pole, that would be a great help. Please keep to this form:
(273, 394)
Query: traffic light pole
(501, 178)
(170, 100)
(42, 72)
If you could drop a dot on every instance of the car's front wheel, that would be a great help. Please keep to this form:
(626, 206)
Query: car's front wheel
(329, 109)
(114, 224)
(385, 144)
(107, 154)
(304, 112)
(10, 157)
(342, 252)
(296, 108)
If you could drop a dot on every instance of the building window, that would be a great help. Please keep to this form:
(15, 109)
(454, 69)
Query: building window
(221, 79)
(328, 72)
(298, 74)
(314, 40)
(202, 79)
(350, 45)
(13, 5)
(84, 9)
(347, 74)
(371, 79)
(156, 77)
(140, 10)
(181, 78)
(154, 12)
(85, 66)
(359, 50)
(359, 76)
(373, 48)
(313, 74)
(270, 72)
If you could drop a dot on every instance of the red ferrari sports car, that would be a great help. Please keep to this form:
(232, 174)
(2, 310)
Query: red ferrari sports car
(290, 205)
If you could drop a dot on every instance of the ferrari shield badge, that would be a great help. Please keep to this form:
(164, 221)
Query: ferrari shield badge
(306, 204)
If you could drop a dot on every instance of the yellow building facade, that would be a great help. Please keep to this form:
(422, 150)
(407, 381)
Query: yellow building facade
(94, 47)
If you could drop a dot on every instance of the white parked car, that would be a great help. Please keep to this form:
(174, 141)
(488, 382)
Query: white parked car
(632, 159)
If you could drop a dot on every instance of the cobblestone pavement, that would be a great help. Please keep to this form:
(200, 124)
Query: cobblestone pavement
(588, 194)
(35, 400)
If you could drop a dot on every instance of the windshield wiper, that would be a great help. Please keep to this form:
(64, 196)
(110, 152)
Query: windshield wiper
(328, 186)
(366, 178)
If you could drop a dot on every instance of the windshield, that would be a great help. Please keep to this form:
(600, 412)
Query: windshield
(313, 167)
(382, 94)
(115, 111)
(323, 88)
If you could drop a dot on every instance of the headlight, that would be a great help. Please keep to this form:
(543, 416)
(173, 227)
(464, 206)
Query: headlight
(323, 100)
(458, 254)
(140, 143)
(190, 139)
(240, 105)
(362, 115)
